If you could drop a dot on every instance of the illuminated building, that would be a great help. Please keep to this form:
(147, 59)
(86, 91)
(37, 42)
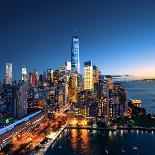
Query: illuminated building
(111, 98)
(22, 100)
(118, 101)
(24, 74)
(62, 96)
(75, 59)
(8, 73)
(86, 109)
(68, 69)
(137, 102)
(31, 78)
(103, 97)
(34, 78)
(73, 87)
(9, 97)
(61, 68)
(44, 77)
(60, 100)
(88, 75)
(56, 77)
(62, 72)
(96, 74)
(79, 83)
(68, 65)
(15, 98)
(50, 75)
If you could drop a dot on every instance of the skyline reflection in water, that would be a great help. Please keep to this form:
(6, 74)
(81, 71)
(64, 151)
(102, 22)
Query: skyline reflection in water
(93, 142)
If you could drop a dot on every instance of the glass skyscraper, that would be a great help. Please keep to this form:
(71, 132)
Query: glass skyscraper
(88, 75)
(8, 73)
(75, 60)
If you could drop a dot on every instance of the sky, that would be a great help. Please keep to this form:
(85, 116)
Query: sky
(117, 35)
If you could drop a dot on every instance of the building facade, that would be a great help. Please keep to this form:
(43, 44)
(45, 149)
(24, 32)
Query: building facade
(75, 59)
(8, 73)
(24, 74)
(88, 75)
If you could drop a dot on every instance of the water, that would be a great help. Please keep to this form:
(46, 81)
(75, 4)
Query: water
(143, 90)
(92, 142)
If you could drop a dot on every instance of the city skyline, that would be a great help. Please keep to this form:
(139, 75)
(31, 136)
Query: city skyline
(117, 36)
(77, 77)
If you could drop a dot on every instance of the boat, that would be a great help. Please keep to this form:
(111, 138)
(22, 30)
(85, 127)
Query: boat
(68, 137)
(106, 150)
(80, 139)
(134, 148)
(122, 150)
(60, 147)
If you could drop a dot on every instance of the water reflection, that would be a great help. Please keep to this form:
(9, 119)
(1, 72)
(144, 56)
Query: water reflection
(80, 140)
(121, 132)
(110, 135)
(84, 140)
(74, 139)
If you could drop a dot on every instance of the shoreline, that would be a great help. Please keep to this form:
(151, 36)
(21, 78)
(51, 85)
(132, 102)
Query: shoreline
(113, 129)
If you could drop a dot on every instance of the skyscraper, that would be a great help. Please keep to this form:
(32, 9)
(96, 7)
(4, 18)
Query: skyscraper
(75, 60)
(73, 87)
(50, 75)
(88, 75)
(96, 74)
(68, 70)
(34, 78)
(24, 74)
(22, 104)
(8, 73)
(103, 97)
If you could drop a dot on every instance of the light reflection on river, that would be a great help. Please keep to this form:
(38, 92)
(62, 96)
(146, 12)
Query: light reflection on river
(88, 142)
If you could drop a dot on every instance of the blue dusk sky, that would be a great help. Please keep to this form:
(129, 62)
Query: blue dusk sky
(117, 35)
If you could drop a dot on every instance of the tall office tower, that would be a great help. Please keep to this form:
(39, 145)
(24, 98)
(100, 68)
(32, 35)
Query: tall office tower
(56, 77)
(79, 83)
(24, 74)
(50, 75)
(9, 96)
(62, 71)
(118, 104)
(8, 73)
(68, 74)
(44, 76)
(75, 59)
(103, 97)
(22, 103)
(31, 78)
(73, 87)
(34, 78)
(110, 85)
(96, 74)
(68, 69)
(88, 75)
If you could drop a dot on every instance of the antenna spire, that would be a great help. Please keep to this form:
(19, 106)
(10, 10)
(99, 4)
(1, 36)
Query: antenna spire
(75, 30)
